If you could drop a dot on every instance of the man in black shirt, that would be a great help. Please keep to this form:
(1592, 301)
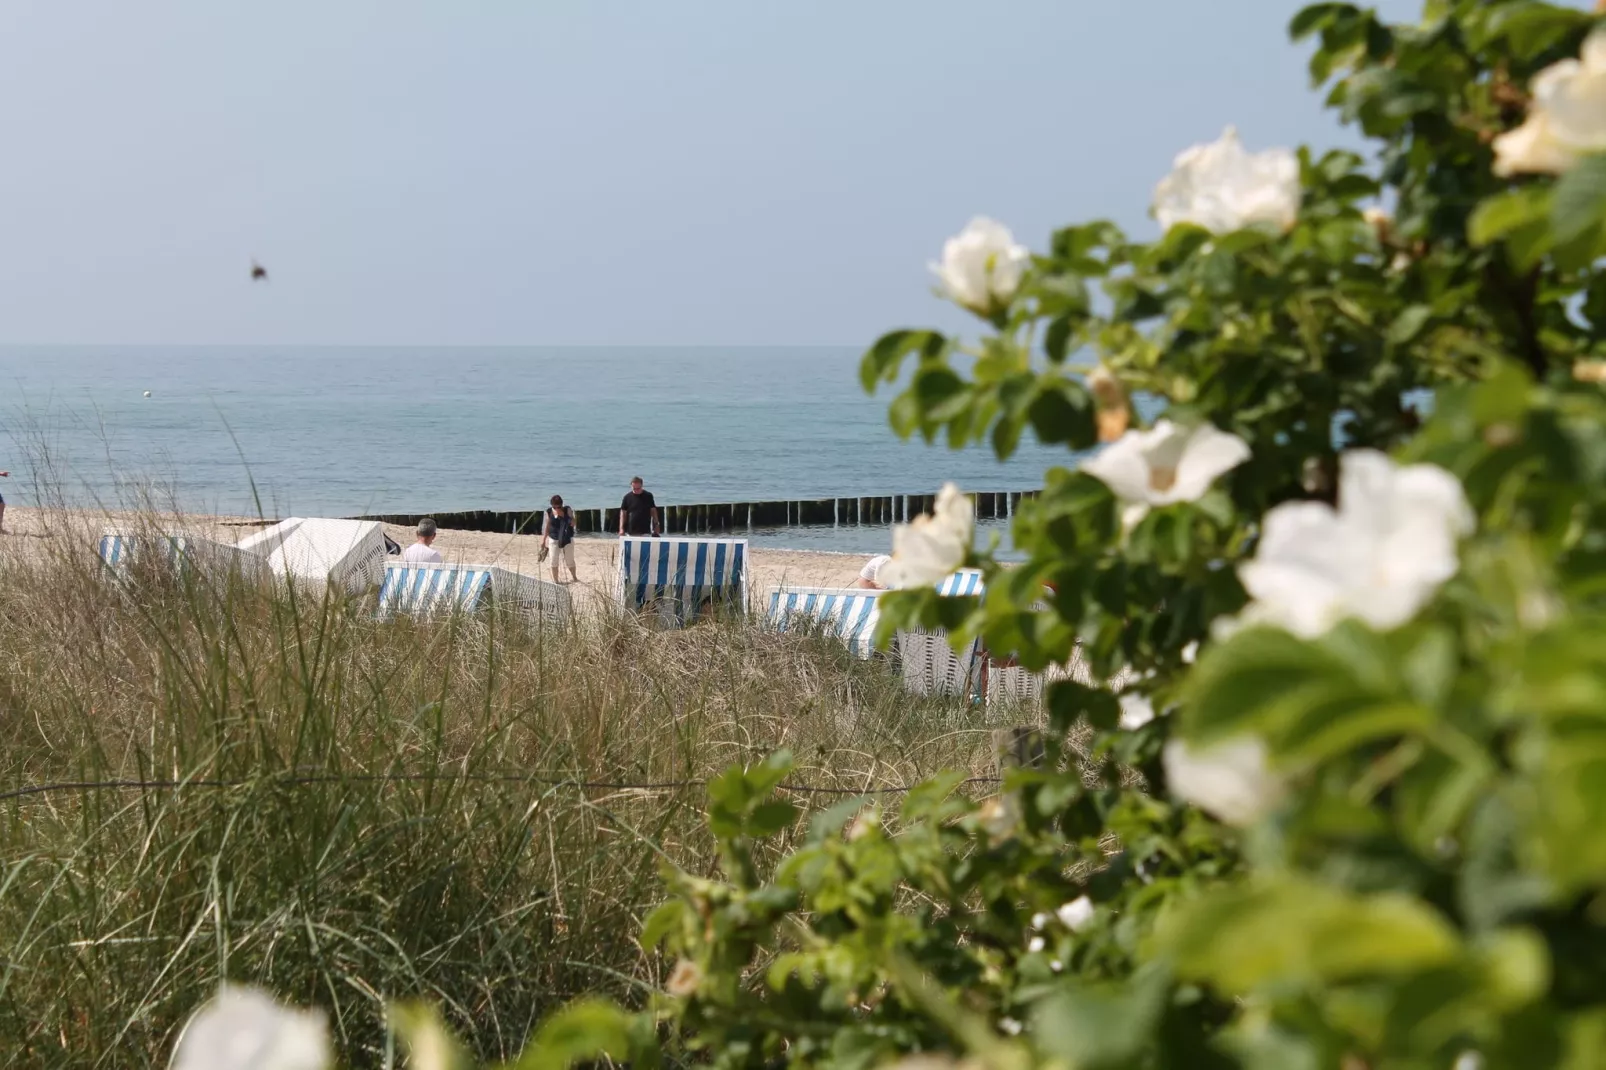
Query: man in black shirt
(638, 513)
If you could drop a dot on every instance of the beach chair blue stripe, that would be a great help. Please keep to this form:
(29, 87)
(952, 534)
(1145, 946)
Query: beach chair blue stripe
(116, 549)
(119, 549)
(424, 590)
(849, 614)
(964, 582)
(682, 578)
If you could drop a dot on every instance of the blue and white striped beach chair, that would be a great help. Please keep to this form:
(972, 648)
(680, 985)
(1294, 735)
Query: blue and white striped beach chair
(438, 590)
(118, 549)
(433, 590)
(850, 614)
(683, 578)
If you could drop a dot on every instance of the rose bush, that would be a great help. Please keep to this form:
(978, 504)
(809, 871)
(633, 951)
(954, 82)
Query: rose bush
(1347, 806)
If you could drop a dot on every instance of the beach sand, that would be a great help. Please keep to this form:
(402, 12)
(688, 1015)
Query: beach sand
(36, 532)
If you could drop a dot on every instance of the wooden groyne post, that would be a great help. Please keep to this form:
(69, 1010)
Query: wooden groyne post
(718, 517)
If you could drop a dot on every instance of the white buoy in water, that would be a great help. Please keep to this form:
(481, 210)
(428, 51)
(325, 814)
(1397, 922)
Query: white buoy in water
(147, 393)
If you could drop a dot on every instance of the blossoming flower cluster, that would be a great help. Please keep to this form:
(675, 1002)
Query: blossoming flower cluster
(1566, 119)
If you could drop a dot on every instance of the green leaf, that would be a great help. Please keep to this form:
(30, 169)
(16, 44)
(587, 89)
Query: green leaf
(424, 1035)
(937, 388)
(1313, 18)
(1498, 216)
(769, 818)
(1534, 28)
(662, 922)
(1308, 700)
(1580, 201)
(1070, 701)
(1292, 931)
(827, 823)
(1062, 412)
(1006, 437)
(1105, 1027)
(1430, 666)
(904, 414)
(884, 359)
(1057, 338)
(764, 776)
(1408, 324)
(581, 1032)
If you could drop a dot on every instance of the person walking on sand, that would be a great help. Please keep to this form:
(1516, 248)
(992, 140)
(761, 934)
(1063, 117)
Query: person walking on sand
(423, 551)
(3, 475)
(638, 513)
(557, 526)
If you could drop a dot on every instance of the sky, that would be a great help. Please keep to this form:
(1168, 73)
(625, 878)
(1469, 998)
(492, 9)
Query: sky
(523, 172)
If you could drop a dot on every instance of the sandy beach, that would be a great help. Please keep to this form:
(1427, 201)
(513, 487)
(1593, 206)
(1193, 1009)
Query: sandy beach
(37, 532)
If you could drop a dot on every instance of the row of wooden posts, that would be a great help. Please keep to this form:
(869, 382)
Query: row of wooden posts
(717, 517)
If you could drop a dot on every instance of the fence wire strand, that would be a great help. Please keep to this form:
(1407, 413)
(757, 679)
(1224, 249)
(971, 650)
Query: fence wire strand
(34, 790)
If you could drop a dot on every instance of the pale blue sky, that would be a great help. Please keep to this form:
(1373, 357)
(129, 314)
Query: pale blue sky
(501, 172)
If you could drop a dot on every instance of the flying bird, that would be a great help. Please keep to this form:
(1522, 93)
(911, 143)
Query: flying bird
(258, 272)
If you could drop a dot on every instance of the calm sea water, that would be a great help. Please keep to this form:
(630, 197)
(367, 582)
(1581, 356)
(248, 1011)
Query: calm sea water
(344, 432)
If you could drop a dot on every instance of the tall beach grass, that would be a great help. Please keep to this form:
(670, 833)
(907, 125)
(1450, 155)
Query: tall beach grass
(371, 810)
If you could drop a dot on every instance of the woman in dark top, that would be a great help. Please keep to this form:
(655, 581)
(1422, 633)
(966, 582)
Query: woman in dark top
(557, 526)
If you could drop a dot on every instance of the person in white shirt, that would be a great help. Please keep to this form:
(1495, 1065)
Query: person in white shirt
(421, 552)
(870, 574)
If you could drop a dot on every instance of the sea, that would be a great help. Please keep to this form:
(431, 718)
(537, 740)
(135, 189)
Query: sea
(343, 432)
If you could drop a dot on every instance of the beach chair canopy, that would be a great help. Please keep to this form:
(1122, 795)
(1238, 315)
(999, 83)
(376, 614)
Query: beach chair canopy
(682, 578)
(850, 614)
(347, 553)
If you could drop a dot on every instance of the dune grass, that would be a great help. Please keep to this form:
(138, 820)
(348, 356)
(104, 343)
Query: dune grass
(375, 810)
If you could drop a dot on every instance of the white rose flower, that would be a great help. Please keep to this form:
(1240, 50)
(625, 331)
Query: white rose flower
(245, 1029)
(1379, 557)
(1566, 119)
(982, 266)
(1076, 914)
(930, 548)
(1222, 188)
(1230, 781)
(1164, 465)
(1136, 711)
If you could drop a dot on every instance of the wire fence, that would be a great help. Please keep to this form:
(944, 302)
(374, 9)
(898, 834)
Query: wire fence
(550, 780)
